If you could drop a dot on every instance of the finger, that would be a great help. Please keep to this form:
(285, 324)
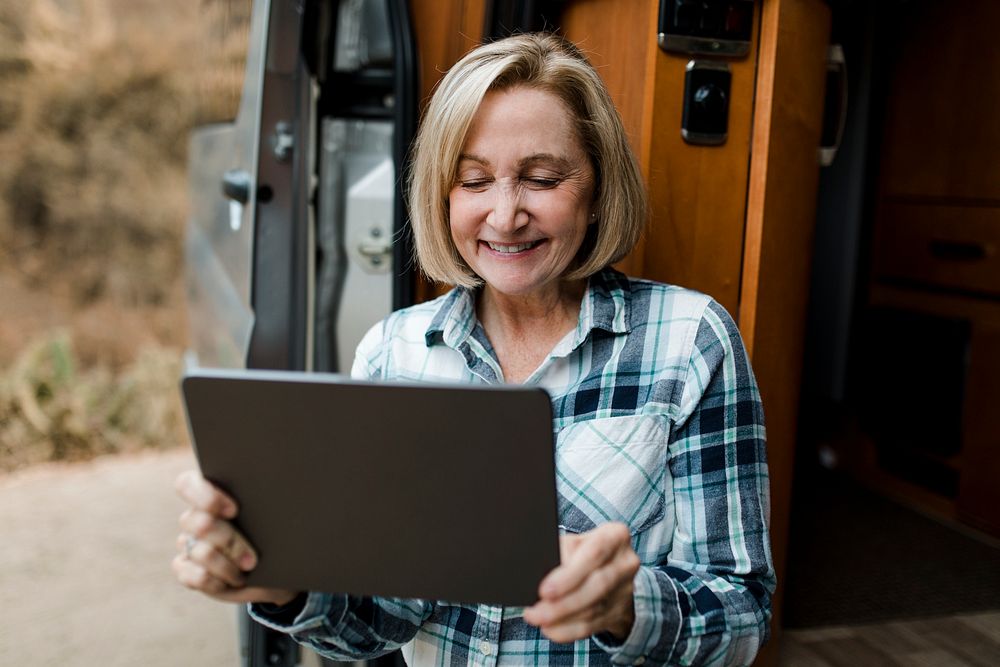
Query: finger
(202, 494)
(590, 621)
(212, 561)
(255, 594)
(595, 548)
(546, 614)
(221, 535)
(601, 589)
(570, 630)
(196, 577)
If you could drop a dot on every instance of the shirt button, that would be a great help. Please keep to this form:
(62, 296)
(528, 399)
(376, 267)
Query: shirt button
(485, 647)
(641, 660)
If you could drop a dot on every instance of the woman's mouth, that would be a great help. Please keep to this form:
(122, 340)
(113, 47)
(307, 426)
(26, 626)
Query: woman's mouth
(511, 248)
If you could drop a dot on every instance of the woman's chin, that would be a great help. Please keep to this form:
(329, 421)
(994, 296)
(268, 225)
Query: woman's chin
(522, 286)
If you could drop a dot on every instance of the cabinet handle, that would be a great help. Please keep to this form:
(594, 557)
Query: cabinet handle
(958, 251)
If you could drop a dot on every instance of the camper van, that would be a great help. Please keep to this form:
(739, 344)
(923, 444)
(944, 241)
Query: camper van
(845, 215)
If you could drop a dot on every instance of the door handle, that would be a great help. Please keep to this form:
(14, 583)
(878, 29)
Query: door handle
(835, 114)
(236, 185)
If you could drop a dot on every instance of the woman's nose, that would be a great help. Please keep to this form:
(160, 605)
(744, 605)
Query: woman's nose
(508, 214)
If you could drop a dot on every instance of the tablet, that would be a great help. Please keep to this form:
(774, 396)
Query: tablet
(440, 492)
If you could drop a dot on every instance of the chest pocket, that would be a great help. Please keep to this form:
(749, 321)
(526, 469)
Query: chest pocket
(612, 470)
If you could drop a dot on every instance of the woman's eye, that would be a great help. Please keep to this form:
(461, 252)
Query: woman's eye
(476, 185)
(540, 182)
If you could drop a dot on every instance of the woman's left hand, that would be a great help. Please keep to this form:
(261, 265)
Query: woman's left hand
(591, 591)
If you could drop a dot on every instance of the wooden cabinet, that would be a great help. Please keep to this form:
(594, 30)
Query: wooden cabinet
(936, 257)
(943, 99)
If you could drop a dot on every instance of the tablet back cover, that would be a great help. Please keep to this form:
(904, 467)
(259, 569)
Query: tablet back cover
(431, 491)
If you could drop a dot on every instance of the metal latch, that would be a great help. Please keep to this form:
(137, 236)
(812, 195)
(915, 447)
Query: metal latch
(376, 250)
(283, 141)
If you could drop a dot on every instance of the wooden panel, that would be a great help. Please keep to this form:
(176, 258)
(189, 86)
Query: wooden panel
(978, 502)
(978, 497)
(941, 134)
(947, 245)
(619, 38)
(938, 221)
(445, 31)
(781, 205)
(697, 193)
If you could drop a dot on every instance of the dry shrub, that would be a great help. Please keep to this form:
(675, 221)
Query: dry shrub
(100, 98)
(97, 99)
(225, 29)
(52, 411)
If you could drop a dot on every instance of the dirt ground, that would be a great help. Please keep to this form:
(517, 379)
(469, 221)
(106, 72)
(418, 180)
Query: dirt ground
(85, 573)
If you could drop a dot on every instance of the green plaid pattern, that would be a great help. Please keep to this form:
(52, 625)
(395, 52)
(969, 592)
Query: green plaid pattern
(658, 425)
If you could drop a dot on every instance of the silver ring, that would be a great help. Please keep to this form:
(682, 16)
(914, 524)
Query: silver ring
(189, 545)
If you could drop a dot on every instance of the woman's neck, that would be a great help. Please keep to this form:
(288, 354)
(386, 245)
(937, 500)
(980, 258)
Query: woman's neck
(523, 329)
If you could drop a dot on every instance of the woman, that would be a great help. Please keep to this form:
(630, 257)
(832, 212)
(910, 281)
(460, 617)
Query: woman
(523, 192)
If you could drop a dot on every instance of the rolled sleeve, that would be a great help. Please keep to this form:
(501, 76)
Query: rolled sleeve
(657, 623)
(344, 627)
(318, 610)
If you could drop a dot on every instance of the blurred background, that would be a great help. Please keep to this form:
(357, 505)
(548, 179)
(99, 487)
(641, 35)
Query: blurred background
(97, 98)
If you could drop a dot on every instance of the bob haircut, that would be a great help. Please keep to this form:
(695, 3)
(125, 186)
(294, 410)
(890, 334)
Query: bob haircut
(546, 62)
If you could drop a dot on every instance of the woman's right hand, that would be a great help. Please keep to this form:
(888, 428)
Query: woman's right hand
(213, 556)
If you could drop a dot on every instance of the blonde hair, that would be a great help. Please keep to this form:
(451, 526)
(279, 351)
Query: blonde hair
(546, 62)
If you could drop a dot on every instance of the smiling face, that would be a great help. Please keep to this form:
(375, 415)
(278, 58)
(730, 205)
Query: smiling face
(523, 192)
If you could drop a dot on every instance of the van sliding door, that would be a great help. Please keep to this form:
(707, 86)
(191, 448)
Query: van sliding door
(298, 240)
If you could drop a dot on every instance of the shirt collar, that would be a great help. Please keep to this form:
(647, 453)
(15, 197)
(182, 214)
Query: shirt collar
(605, 306)
(454, 320)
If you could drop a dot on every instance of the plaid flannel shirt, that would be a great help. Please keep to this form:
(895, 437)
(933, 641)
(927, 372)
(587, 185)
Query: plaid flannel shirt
(658, 425)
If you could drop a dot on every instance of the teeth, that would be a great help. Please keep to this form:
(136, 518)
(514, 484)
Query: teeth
(510, 248)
